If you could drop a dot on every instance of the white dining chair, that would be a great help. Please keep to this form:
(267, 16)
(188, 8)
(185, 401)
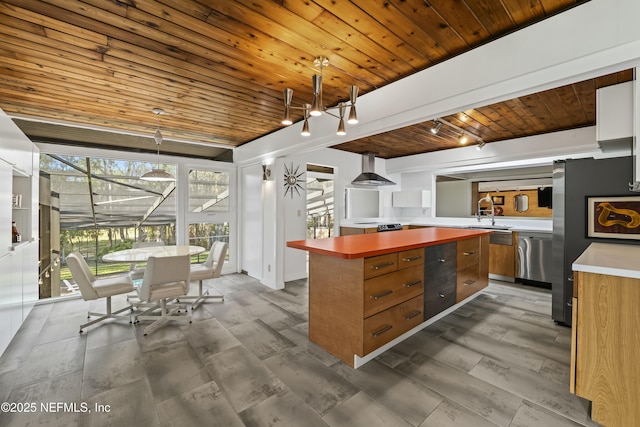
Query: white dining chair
(210, 269)
(165, 279)
(135, 272)
(92, 288)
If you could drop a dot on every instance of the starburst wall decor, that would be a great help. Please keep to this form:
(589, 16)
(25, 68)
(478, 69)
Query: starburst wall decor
(292, 180)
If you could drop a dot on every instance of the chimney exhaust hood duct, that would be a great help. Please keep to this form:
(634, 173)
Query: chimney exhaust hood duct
(368, 177)
(617, 122)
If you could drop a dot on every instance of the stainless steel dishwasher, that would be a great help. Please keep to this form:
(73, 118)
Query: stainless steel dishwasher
(534, 256)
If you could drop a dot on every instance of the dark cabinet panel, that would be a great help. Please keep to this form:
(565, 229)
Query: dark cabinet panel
(439, 278)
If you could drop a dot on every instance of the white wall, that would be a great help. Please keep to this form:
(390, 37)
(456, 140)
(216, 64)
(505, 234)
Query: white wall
(453, 198)
(284, 217)
(251, 219)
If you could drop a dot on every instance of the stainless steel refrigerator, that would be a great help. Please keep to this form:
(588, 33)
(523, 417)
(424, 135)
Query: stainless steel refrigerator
(573, 181)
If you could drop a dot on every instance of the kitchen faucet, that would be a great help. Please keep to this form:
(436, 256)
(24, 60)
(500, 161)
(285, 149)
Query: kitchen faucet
(487, 198)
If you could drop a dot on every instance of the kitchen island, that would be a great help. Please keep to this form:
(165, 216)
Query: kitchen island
(368, 292)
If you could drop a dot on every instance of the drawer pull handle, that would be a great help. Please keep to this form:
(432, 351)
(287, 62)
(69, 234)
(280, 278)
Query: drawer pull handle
(441, 260)
(441, 295)
(412, 315)
(383, 265)
(381, 331)
(410, 284)
(469, 282)
(413, 258)
(382, 294)
(468, 253)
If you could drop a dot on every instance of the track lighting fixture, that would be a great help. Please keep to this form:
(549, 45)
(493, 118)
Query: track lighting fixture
(463, 135)
(317, 108)
(436, 126)
(480, 145)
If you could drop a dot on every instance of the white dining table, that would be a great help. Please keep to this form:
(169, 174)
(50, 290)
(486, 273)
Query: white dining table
(136, 255)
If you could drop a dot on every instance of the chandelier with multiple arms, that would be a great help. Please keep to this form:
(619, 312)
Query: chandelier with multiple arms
(316, 108)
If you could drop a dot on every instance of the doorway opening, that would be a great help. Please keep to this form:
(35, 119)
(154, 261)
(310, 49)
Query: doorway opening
(320, 201)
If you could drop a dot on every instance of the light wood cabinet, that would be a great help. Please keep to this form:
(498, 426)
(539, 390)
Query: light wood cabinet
(605, 345)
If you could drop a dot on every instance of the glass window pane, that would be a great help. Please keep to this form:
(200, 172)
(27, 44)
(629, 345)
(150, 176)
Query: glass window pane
(104, 207)
(204, 234)
(208, 191)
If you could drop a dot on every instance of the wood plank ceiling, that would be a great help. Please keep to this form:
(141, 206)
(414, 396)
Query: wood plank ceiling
(218, 68)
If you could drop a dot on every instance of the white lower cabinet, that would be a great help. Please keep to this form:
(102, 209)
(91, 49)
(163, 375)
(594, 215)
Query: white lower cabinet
(30, 289)
(7, 309)
(18, 289)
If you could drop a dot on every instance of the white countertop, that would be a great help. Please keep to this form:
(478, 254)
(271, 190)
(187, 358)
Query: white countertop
(514, 224)
(611, 259)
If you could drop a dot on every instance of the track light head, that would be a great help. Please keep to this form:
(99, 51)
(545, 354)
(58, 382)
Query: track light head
(436, 127)
(480, 145)
(463, 138)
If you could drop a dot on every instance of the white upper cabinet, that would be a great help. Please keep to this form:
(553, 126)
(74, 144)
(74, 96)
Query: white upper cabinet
(412, 199)
(614, 112)
(15, 148)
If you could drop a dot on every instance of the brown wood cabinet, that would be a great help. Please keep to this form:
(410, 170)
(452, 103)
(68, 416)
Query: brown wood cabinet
(358, 305)
(350, 231)
(502, 257)
(472, 266)
(605, 344)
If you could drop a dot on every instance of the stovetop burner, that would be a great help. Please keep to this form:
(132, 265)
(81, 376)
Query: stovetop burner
(389, 227)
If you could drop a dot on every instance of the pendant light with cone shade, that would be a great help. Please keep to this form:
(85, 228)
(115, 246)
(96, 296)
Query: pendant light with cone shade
(157, 174)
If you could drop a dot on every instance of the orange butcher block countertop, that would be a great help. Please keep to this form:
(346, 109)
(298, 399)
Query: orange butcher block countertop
(367, 245)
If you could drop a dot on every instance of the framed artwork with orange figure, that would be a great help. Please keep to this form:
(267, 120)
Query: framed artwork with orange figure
(613, 217)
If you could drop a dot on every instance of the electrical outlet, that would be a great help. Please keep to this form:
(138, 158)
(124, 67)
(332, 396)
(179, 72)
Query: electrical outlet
(269, 268)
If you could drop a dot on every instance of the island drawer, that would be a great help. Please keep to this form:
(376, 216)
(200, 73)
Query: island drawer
(379, 265)
(391, 289)
(468, 282)
(468, 253)
(391, 323)
(410, 258)
(439, 294)
(440, 259)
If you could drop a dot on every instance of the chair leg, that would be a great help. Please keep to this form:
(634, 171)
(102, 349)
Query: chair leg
(163, 317)
(201, 297)
(103, 316)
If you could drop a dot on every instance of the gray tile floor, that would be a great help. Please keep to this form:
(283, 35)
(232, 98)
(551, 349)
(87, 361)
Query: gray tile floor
(497, 361)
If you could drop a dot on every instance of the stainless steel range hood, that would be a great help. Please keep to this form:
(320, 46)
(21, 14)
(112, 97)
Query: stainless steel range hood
(368, 176)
